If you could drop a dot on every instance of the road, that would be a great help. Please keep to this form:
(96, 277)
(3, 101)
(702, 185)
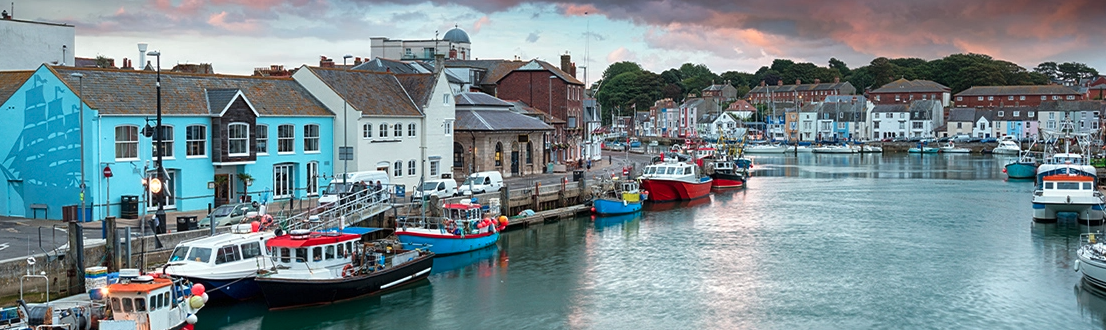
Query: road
(602, 168)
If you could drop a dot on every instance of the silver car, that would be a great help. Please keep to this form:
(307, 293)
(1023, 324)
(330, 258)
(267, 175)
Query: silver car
(228, 214)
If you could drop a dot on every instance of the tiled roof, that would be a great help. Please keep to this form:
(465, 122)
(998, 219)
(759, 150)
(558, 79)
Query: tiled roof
(479, 99)
(538, 65)
(740, 105)
(130, 92)
(1070, 106)
(960, 114)
(419, 86)
(218, 99)
(846, 98)
(497, 120)
(1018, 90)
(372, 93)
(10, 81)
(890, 108)
(912, 86)
(393, 66)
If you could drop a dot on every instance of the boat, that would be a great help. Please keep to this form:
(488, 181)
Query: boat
(951, 148)
(617, 197)
(671, 181)
(726, 173)
(765, 149)
(319, 268)
(1007, 148)
(799, 149)
(136, 301)
(1075, 193)
(462, 228)
(225, 263)
(1091, 260)
(923, 150)
(835, 149)
(1023, 168)
(870, 149)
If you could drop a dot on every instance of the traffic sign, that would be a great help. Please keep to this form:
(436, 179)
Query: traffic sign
(107, 172)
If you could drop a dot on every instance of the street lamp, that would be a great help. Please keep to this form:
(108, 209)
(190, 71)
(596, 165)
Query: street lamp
(344, 58)
(80, 99)
(160, 215)
(550, 90)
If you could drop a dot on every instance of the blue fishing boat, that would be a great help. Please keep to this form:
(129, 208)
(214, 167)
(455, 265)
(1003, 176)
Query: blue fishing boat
(461, 229)
(618, 197)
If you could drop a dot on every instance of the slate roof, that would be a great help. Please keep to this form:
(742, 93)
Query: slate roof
(419, 86)
(1008, 113)
(846, 98)
(479, 99)
(11, 81)
(538, 65)
(890, 108)
(494, 70)
(372, 93)
(1018, 90)
(497, 120)
(961, 114)
(1070, 106)
(523, 108)
(912, 86)
(131, 92)
(393, 66)
(217, 99)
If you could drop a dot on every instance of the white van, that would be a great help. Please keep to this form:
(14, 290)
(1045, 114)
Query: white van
(336, 187)
(444, 188)
(481, 182)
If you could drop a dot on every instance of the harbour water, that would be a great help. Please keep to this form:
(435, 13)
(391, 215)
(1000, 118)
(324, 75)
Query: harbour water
(817, 241)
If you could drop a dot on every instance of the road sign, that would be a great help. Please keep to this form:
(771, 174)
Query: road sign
(107, 172)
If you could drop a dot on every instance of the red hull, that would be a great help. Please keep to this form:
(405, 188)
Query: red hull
(661, 190)
(727, 180)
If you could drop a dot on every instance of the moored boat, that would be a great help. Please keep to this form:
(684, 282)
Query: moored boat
(1072, 192)
(316, 268)
(725, 173)
(764, 149)
(620, 197)
(224, 263)
(835, 149)
(1091, 260)
(673, 181)
(1007, 148)
(870, 149)
(951, 148)
(1023, 168)
(461, 229)
(923, 150)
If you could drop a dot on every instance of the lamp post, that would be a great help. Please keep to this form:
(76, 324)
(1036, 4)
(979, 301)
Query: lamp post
(550, 90)
(80, 116)
(160, 215)
(345, 134)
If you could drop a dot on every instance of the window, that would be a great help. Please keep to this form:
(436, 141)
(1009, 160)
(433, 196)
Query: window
(897, 97)
(312, 178)
(498, 154)
(286, 139)
(1044, 97)
(1055, 97)
(875, 125)
(329, 252)
(311, 138)
(126, 142)
(529, 152)
(398, 128)
(1000, 113)
(199, 254)
(169, 186)
(959, 98)
(301, 255)
(445, 98)
(841, 125)
(411, 129)
(397, 169)
(980, 98)
(916, 125)
(251, 250)
(1051, 115)
(282, 180)
(1071, 97)
(877, 98)
(1030, 114)
(959, 125)
(902, 125)
(166, 142)
(195, 140)
(227, 254)
(1010, 98)
(238, 137)
(448, 127)
(458, 156)
(317, 253)
(877, 115)
(367, 131)
(990, 98)
(285, 255)
(383, 130)
(262, 139)
(434, 168)
(411, 167)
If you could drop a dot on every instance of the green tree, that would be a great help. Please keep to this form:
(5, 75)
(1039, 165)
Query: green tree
(1074, 71)
(1049, 69)
(840, 66)
(103, 62)
(620, 68)
(696, 77)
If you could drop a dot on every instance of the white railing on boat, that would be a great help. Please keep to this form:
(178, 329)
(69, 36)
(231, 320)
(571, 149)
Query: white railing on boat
(351, 208)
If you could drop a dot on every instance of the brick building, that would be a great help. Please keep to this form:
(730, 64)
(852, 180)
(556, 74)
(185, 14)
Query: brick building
(799, 92)
(1015, 96)
(906, 91)
(556, 91)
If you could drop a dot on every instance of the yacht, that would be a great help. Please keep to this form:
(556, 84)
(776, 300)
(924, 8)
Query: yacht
(765, 149)
(951, 148)
(1007, 148)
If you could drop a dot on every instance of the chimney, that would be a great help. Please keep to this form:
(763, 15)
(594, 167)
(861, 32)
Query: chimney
(439, 62)
(779, 82)
(142, 54)
(566, 61)
(453, 53)
(4, 15)
(836, 80)
(798, 82)
(817, 81)
(356, 61)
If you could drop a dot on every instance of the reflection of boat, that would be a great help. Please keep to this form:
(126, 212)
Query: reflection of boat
(445, 264)
(462, 229)
(1092, 301)
(673, 181)
(1007, 148)
(617, 197)
(607, 221)
(660, 207)
(226, 263)
(321, 268)
(951, 148)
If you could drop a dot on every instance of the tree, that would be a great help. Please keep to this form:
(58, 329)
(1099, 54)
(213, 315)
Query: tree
(620, 68)
(840, 66)
(103, 62)
(1074, 71)
(696, 77)
(1049, 69)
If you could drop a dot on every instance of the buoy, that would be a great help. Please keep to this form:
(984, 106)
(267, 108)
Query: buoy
(196, 302)
(198, 289)
(205, 297)
(255, 226)
(593, 210)
(191, 319)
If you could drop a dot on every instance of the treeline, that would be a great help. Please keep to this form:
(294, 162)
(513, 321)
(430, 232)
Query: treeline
(626, 86)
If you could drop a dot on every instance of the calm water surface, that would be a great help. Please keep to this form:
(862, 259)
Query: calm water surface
(817, 241)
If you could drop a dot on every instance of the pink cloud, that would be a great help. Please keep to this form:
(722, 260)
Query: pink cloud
(480, 23)
(220, 21)
(621, 54)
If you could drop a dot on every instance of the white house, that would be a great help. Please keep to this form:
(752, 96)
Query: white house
(715, 124)
(888, 121)
(26, 45)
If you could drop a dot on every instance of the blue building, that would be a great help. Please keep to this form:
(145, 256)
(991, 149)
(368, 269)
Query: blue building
(217, 129)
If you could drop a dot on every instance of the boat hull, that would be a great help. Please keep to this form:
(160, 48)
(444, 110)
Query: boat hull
(1088, 211)
(281, 293)
(229, 289)
(725, 180)
(662, 190)
(1094, 271)
(1021, 170)
(612, 207)
(444, 244)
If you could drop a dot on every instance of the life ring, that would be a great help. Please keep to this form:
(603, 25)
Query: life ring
(348, 271)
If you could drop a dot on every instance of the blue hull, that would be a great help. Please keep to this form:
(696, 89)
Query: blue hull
(452, 245)
(1021, 170)
(611, 207)
(244, 289)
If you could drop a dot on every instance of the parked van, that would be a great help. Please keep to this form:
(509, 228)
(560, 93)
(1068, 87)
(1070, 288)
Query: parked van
(336, 187)
(481, 182)
(443, 188)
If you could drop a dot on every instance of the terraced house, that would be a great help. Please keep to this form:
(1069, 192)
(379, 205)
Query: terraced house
(1015, 96)
(217, 131)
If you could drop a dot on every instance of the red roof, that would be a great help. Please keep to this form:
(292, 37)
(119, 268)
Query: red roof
(140, 287)
(1069, 178)
(312, 240)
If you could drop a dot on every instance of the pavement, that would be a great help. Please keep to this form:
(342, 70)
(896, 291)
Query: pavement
(606, 167)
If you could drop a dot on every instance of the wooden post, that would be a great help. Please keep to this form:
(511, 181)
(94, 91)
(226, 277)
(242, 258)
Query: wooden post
(75, 259)
(505, 200)
(110, 242)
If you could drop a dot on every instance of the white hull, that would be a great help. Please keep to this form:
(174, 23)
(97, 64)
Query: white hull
(1005, 151)
(955, 150)
(1092, 265)
(1088, 207)
(802, 149)
(765, 149)
(835, 150)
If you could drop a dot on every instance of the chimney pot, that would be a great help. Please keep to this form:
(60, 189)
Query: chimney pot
(817, 81)
(836, 80)
(779, 82)
(798, 82)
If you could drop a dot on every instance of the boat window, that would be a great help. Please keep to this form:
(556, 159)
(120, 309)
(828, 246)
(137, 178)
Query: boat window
(341, 250)
(285, 255)
(200, 254)
(1067, 185)
(139, 304)
(179, 253)
(671, 170)
(349, 247)
(227, 253)
(165, 298)
(329, 252)
(1086, 186)
(650, 170)
(250, 250)
(127, 307)
(301, 254)
(317, 253)
(687, 170)
(1048, 185)
(115, 305)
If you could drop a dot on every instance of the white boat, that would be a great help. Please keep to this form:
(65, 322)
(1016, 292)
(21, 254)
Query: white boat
(950, 148)
(802, 149)
(765, 149)
(871, 149)
(1092, 259)
(1007, 148)
(835, 150)
(225, 263)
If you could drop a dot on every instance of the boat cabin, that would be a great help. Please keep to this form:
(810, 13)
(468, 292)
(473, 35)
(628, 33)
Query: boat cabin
(1066, 185)
(463, 211)
(151, 302)
(314, 250)
(244, 245)
(672, 169)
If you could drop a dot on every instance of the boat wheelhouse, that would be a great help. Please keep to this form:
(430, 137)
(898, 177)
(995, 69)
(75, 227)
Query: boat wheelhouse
(227, 263)
(463, 228)
(673, 181)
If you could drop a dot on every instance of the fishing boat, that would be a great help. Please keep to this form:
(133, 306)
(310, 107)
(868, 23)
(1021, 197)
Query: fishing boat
(1023, 168)
(725, 173)
(1071, 192)
(617, 197)
(318, 268)
(951, 148)
(671, 181)
(136, 301)
(1007, 148)
(225, 263)
(1091, 260)
(462, 228)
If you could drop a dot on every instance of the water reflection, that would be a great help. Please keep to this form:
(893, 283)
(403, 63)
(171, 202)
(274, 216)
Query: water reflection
(602, 222)
(451, 263)
(1092, 303)
(882, 166)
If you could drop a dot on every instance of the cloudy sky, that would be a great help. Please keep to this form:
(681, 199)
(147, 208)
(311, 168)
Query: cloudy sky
(238, 35)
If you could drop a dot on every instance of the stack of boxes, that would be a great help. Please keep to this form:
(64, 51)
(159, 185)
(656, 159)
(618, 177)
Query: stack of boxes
(95, 279)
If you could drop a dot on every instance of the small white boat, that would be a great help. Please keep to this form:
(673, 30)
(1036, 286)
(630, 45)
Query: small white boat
(1092, 259)
(802, 149)
(950, 148)
(835, 150)
(1007, 148)
(871, 149)
(765, 149)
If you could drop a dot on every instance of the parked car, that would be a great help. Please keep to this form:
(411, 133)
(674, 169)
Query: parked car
(228, 214)
(944, 139)
(988, 140)
(444, 188)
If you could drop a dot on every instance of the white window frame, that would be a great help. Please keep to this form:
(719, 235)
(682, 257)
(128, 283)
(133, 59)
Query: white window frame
(397, 169)
(262, 141)
(283, 188)
(383, 130)
(434, 168)
(411, 168)
(312, 178)
(1000, 113)
(129, 131)
(445, 99)
(309, 141)
(231, 139)
(448, 127)
(282, 140)
(397, 129)
(1021, 98)
(979, 98)
(367, 131)
(191, 141)
(958, 98)
(411, 130)
(1010, 98)
(166, 140)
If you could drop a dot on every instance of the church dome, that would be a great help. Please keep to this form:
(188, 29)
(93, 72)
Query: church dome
(456, 35)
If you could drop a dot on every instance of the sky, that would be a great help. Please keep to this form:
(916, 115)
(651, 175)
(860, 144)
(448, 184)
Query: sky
(239, 35)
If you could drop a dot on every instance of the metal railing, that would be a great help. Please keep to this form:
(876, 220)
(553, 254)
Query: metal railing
(352, 208)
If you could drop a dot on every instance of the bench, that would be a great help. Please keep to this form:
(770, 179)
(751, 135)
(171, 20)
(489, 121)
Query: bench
(34, 210)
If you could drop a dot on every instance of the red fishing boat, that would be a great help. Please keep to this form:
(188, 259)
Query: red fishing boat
(672, 181)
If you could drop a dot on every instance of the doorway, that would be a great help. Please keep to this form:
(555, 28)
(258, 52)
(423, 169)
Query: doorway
(514, 159)
(224, 189)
